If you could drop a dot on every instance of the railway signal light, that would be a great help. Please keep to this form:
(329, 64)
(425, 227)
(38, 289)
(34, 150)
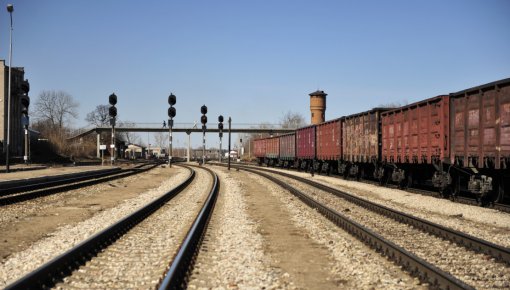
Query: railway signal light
(112, 99)
(112, 111)
(25, 102)
(172, 100)
(171, 112)
(220, 127)
(203, 120)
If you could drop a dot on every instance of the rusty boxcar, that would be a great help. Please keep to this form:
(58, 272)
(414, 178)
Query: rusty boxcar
(259, 149)
(329, 144)
(415, 140)
(305, 146)
(272, 150)
(288, 149)
(480, 138)
(361, 139)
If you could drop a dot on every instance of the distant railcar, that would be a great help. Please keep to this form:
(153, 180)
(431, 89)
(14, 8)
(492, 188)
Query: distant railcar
(415, 141)
(259, 149)
(288, 150)
(305, 147)
(272, 150)
(329, 144)
(361, 144)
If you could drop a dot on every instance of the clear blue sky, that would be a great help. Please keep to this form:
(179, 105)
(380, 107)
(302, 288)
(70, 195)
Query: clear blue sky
(255, 60)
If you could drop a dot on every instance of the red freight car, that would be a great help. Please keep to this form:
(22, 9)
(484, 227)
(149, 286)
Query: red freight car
(329, 144)
(361, 139)
(288, 149)
(415, 140)
(272, 150)
(480, 137)
(259, 149)
(305, 146)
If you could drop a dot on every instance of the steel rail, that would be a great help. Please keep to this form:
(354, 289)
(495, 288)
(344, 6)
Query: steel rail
(53, 271)
(21, 185)
(90, 180)
(415, 265)
(470, 242)
(178, 272)
(434, 193)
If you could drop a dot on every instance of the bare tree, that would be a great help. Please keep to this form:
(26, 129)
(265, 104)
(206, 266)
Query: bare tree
(56, 108)
(395, 104)
(291, 120)
(53, 113)
(99, 117)
(129, 137)
(161, 139)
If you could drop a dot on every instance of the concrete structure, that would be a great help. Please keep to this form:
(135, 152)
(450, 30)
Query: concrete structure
(134, 151)
(19, 90)
(318, 107)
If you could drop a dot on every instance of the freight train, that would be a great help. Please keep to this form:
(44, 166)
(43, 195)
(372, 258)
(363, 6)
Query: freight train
(458, 142)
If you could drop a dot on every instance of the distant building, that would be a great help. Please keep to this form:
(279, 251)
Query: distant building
(19, 91)
(134, 151)
(318, 107)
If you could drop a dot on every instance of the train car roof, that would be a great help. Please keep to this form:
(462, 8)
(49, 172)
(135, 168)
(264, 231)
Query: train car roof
(376, 109)
(415, 104)
(484, 87)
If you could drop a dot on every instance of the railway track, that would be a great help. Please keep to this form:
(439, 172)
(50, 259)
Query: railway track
(19, 191)
(130, 248)
(459, 198)
(408, 240)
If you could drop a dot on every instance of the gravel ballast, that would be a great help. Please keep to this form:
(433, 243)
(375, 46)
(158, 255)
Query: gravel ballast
(68, 236)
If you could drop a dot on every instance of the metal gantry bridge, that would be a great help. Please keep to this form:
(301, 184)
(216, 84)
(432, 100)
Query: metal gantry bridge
(187, 128)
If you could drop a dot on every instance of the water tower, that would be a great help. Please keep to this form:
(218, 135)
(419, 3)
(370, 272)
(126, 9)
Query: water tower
(318, 106)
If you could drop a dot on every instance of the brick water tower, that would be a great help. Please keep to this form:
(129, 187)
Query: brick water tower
(318, 106)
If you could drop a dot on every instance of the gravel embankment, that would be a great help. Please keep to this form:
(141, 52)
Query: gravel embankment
(68, 236)
(485, 223)
(478, 270)
(138, 259)
(355, 265)
(232, 255)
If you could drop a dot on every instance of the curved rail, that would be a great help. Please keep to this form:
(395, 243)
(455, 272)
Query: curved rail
(415, 265)
(21, 185)
(61, 185)
(178, 272)
(458, 237)
(48, 274)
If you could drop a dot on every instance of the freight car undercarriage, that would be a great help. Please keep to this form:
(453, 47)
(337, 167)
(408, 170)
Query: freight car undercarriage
(487, 186)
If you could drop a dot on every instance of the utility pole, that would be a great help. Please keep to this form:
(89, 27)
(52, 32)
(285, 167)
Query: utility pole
(10, 9)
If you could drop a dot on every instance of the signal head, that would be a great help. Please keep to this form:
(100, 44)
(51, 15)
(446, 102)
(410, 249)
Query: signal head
(171, 112)
(203, 110)
(112, 99)
(112, 111)
(172, 99)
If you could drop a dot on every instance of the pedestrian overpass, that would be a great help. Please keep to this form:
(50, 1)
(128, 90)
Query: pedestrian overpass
(187, 128)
